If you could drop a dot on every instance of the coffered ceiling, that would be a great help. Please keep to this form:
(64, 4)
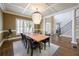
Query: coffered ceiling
(28, 8)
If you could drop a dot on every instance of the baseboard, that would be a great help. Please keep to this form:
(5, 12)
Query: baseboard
(68, 36)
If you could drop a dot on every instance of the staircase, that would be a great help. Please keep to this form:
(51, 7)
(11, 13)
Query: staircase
(67, 29)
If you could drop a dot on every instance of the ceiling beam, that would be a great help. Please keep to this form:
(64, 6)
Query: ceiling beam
(15, 5)
(50, 7)
(27, 6)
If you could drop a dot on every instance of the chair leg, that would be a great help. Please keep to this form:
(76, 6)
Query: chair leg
(44, 46)
(49, 43)
(27, 50)
(39, 48)
(31, 52)
(26, 45)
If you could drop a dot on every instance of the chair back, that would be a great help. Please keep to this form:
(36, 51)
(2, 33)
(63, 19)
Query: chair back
(29, 41)
(10, 31)
(24, 39)
(22, 36)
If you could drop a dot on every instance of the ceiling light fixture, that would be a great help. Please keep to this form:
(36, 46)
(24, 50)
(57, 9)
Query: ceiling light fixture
(36, 17)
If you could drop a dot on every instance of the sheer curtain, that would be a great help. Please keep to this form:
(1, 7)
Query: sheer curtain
(24, 26)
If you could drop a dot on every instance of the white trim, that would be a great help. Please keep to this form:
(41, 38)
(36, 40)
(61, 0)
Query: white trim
(73, 42)
(68, 36)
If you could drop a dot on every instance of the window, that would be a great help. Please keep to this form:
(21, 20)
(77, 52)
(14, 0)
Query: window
(24, 26)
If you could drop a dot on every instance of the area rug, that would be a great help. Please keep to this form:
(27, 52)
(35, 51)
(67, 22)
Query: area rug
(19, 50)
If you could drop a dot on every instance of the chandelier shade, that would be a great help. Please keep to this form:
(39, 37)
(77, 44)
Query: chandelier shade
(36, 17)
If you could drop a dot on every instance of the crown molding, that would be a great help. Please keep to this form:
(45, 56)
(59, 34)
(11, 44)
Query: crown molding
(17, 14)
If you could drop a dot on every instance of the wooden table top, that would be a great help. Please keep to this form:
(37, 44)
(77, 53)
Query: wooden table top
(37, 37)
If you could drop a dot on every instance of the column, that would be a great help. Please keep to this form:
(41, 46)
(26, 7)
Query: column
(43, 26)
(54, 28)
(74, 40)
(52, 25)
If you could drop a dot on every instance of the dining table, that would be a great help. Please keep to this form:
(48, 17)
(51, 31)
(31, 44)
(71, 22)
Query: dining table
(38, 37)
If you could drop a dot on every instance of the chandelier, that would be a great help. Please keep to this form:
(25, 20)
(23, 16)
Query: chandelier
(36, 17)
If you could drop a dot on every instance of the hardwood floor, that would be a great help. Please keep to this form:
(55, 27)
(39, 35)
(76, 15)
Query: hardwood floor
(65, 49)
(6, 49)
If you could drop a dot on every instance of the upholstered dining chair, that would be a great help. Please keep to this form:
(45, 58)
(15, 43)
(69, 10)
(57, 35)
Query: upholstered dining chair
(24, 40)
(33, 45)
(47, 40)
(10, 33)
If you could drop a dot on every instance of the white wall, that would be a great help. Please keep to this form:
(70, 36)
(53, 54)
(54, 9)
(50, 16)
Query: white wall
(64, 18)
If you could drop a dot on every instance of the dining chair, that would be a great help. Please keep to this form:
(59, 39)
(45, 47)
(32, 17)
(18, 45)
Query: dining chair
(24, 40)
(9, 33)
(47, 40)
(33, 45)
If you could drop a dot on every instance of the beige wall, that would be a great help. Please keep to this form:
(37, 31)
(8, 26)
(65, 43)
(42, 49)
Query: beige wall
(9, 21)
(41, 26)
(37, 28)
